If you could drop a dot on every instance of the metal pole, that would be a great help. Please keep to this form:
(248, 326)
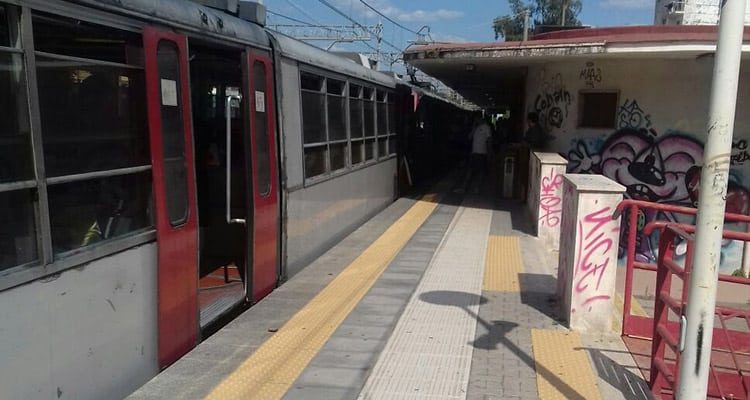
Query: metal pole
(701, 304)
(526, 25)
(564, 9)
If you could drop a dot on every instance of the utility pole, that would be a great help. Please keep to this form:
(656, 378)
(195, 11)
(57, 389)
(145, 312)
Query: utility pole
(564, 11)
(526, 25)
(701, 305)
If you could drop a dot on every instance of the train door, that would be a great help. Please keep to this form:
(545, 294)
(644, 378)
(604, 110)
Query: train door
(223, 169)
(174, 191)
(265, 244)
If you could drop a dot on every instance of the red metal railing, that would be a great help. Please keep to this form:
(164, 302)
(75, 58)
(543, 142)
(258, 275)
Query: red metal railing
(729, 376)
(641, 326)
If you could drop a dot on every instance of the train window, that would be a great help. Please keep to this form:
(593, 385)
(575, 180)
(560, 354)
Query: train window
(369, 107)
(355, 91)
(262, 160)
(392, 145)
(338, 155)
(358, 148)
(335, 87)
(18, 236)
(311, 82)
(16, 162)
(315, 161)
(355, 118)
(313, 115)
(93, 116)
(76, 38)
(392, 129)
(381, 96)
(173, 135)
(370, 149)
(336, 118)
(86, 212)
(382, 119)
(382, 147)
(9, 26)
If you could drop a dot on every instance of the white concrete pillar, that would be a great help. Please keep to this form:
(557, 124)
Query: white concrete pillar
(589, 239)
(546, 172)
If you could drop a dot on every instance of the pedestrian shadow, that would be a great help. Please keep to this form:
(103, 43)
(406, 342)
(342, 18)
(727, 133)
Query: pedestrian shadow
(496, 335)
(631, 385)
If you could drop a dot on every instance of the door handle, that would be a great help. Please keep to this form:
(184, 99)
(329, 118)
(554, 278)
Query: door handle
(228, 112)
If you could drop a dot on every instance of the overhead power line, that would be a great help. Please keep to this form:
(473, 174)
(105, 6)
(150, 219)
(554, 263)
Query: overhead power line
(387, 17)
(343, 14)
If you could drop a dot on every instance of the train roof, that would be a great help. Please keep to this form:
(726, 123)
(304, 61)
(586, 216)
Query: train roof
(190, 16)
(309, 54)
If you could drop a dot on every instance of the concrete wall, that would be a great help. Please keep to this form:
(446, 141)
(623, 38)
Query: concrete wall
(662, 109)
(88, 333)
(697, 12)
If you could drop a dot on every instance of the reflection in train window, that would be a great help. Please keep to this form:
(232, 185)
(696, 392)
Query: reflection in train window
(93, 116)
(18, 236)
(315, 161)
(338, 156)
(76, 38)
(15, 140)
(86, 212)
(313, 115)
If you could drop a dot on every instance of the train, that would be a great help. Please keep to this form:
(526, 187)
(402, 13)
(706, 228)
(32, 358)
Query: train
(166, 163)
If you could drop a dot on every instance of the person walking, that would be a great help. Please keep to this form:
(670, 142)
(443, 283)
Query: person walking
(480, 137)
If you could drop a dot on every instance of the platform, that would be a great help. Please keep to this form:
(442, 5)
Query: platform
(446, 296)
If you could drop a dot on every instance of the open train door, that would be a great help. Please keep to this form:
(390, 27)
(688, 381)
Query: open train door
(262, 120)
(171, 141)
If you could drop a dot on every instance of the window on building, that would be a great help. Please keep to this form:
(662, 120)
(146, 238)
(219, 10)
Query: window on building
(91, 94)
(597, 109)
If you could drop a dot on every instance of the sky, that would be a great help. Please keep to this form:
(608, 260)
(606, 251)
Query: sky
(448, 20)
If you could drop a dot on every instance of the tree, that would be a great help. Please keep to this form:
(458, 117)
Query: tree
(541, 12)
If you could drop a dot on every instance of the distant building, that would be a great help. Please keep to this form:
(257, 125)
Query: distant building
(690, 12)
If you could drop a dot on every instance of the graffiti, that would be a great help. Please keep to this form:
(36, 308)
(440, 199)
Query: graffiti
(595, 242)
(664, 169)
(740, 153)
(552, 104)
(631, 115)
(550, 201)
(590, 74)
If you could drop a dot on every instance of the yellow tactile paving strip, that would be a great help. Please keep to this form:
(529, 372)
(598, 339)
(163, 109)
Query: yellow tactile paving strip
(503, 264)
(274, 367)
(563, 369)
(635, 309)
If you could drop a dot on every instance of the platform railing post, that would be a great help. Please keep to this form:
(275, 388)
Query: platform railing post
(695, 360)
(629, 265)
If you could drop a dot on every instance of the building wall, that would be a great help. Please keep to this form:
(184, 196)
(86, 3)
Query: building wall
(87, 333)
(696, 12)
(662, 109)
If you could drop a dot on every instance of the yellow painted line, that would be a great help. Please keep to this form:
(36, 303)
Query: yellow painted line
(272, 369)
(503, 264)
(635, 307)
(563, 369)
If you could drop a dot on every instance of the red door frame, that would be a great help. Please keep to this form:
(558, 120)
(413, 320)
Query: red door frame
(265, 208)
(177, 245)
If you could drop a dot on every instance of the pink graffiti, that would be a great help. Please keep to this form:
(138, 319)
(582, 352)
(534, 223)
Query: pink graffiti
(594, 245)
(550, 202)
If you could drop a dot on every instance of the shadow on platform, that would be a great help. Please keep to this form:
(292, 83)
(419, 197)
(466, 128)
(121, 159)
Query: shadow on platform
(497, 335)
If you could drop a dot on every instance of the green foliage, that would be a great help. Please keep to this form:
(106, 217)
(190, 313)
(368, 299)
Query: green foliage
(541, 12)
(739, 273)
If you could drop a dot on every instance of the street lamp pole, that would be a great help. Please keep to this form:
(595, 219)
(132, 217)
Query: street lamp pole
(701, 304)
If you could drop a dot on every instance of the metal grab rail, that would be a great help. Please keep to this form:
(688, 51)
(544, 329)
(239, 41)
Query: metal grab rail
(641, 326)
(726, 382)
